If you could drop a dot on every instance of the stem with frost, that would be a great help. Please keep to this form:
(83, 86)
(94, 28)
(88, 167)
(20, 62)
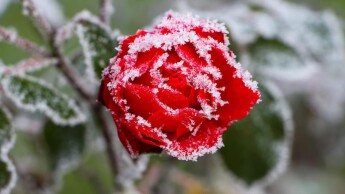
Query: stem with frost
(12, 38)
(105, 11)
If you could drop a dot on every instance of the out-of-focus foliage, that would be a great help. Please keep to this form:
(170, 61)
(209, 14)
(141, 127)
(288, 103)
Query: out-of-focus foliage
(299, 49)
(258, 145)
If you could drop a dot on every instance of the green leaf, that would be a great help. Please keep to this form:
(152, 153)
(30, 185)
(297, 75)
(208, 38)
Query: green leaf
(64, 145)
(5, 127)
(324, 38)
(7, 173)
(258, 144)
(98, 47)
(274, 58)
(34, 95)
(272, 53)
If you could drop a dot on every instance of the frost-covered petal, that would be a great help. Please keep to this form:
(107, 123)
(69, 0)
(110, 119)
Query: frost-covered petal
(141, 100)
(133, 145)
(240, 98)
(173, 99)
(207, 140)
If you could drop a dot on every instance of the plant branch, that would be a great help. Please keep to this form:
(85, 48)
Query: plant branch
(73, 77)
(12, 38)
(28, 65)
(105, 11)
(110, 147)
(43, 25)
(106, 130)
(76, 82)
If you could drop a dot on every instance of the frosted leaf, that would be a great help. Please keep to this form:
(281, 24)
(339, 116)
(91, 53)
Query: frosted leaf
(274, 58)
(5, 127)
(98, 48)
(257, 148)
(34, 95)
(313, 34)
(64, 145)
(8, 176)
(96, 39)
(326, 96)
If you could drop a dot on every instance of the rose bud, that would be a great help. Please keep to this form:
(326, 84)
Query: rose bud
(176, 88)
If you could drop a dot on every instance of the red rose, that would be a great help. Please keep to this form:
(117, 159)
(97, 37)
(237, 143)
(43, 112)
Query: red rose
(176, 88)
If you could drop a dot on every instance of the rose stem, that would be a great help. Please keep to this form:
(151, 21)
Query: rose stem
(105, 11)
(13, 38)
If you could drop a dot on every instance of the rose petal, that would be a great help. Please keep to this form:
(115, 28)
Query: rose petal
(190, 120)
(127, 41)
(105, 98)
(218, 36)
(132, 144)
(206, 140)
(192, 99)
(164, 120)
(147, 58)
(188, 53)
(141, 100)
(184, 121)
(240, 98)
(144, 62)
(175, 79)
(173, 99)
(179, 83)
(145, 134)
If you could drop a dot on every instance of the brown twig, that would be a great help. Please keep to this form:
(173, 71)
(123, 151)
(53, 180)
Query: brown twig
(28, 65)
(43, 25)
(73, 77)
(105, 11)
(11, 37)
(110, 147)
